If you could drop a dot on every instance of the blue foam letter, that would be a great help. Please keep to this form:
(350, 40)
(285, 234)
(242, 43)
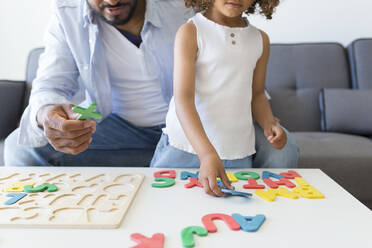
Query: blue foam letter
(268, 174)
(185, 175)
(249, 224)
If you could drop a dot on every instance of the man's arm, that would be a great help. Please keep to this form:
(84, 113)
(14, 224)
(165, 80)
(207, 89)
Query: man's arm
(56, 83)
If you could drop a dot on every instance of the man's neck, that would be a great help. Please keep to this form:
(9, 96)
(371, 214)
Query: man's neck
(135, 24)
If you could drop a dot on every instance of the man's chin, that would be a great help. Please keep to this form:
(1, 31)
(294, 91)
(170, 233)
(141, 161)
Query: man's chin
(116, 21)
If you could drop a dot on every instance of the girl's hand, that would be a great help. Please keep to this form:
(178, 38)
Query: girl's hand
(276, 136)
(211, 167)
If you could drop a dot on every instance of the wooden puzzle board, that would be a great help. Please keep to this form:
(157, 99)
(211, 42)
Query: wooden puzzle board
(82, 201)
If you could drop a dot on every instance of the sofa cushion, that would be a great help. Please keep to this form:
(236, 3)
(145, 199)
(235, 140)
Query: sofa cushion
(11, 100)
(360, 56)
(295, 75)
(290, 107)
(345, 158)
(346, 111)
(1, 152)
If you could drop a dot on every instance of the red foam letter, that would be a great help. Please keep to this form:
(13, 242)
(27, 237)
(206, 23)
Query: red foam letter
(291, 174)
(165, 173)
(193, 182)
(156, 241)
(252, 184)
(211, 227)
(275, 184)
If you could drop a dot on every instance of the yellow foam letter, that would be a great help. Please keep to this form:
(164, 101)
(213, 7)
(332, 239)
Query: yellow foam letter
(231, 177)
(17, 187)
(266, 195)
(301, 182)
(308, 192)
(284, 192)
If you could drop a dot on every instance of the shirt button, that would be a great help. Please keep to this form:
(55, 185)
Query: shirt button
(86, 67)
(232, 35)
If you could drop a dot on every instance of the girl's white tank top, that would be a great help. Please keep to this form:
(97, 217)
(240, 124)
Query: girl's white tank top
(225, 63)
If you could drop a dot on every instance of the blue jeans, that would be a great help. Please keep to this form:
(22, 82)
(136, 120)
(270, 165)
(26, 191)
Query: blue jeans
(167, 156)
(118, 143)
(115, 143)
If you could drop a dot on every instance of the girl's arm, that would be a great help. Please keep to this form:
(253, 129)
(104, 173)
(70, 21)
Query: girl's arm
(185, 51)
(261, 109)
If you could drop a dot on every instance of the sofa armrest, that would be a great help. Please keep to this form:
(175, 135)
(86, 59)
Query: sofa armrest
(11, 105)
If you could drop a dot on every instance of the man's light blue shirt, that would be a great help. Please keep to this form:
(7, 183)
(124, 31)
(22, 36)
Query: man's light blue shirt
(73, 68)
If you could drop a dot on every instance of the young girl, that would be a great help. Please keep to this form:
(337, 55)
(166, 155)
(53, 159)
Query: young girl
(219, 80)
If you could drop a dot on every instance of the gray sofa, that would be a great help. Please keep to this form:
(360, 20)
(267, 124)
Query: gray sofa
(319, 91)
(308, 84)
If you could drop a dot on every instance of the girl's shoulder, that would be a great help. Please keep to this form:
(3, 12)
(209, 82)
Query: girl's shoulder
(188, 29)
(186, 36)
(265, 37)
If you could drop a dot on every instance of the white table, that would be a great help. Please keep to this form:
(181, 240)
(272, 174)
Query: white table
(339, 220)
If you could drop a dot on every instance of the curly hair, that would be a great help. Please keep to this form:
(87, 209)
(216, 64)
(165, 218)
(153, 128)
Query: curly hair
(263, 7)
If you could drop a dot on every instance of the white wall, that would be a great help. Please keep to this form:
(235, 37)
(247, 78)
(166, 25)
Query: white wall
(22, 24)
(318, 20)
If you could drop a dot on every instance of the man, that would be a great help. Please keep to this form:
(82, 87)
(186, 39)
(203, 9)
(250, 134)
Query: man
(119, 55)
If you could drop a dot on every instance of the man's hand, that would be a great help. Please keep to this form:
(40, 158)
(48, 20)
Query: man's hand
(276, 136)
(211, 167)
(63, 132)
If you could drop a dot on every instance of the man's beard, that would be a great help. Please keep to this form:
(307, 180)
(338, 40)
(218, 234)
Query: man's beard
(117, 21)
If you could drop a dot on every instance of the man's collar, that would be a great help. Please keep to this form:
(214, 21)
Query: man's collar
(88, 13)
(152, 13)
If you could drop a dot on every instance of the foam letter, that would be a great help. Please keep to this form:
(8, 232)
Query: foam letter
(284, 192)
(211, 227)
(252, 184)
(249, 224)
(282, 181)
(270, 194)
(193, 182)
(291, 174)
(230, 176)
(165, 173)
(266, 195)
(268, 174)
(15, 198)
(241, 175)
(156, 241)
(167, 182)
(301, 181)
(185, 175)
(308, 192)
(40, 188)
(188, 232)
(17, 187)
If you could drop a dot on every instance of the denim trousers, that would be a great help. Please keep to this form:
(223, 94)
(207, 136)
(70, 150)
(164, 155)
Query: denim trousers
(117, 142)
(167, 156)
